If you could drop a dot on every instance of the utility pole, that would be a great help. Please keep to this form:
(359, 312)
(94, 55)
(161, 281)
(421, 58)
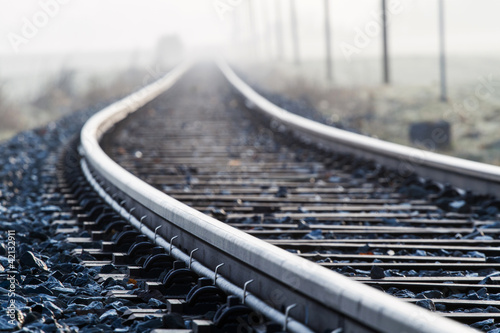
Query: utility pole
(384, 44)
(329, 73)
(253, 40)
(279, 35)
(442, 58)
(294, 29)
(235, 31)
(267, 31)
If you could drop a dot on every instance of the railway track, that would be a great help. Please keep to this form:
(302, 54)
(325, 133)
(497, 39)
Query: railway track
(273, 213)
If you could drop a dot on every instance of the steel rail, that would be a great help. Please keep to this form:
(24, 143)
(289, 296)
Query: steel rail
(469, 175)
(254, 302)
(329, 300)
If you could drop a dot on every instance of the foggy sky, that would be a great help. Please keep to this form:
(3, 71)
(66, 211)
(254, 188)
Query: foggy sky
(69, 26)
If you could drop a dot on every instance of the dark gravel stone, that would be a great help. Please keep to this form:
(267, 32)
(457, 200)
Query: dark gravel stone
(426, 304)
(483, 293)
(149, 323)
(476, 254)
(390, 221)
(282, 192)
(430, 294)
(482, 323)
(302, 225)
(32, 317)
(492, 309)
(147, 295)
(117, 325)
(27, 290)
(377, 272)
(38, 235)
(7, 325)
(494, 225)
(57, 311)
(420, 253)
(80, 320)
(315, 234)
(56, 274)
(52, 282)
(412, 273)
(493, 259)
(67, 268)
(486, 280)
(42, 309)
(153, 302)
(50, 209)
(474, 310)
(86, 256)
(95, 305)
(34, 280)
(405, 294)
(473, 296)
(29, 259)
(414, 191)
(60, 290)
(108, 315)
(85, 300)
(82, 280)
(173, 320)
(107, 269)
(440, 307)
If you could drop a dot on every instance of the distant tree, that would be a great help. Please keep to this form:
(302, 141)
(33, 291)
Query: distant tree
(10, 119)
(124, 83)
(61, 95)
(58, 93)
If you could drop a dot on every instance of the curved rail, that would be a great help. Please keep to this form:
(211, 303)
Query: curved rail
(327, 299)
(479, 177)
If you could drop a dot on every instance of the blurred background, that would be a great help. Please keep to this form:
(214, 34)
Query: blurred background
(432, 82)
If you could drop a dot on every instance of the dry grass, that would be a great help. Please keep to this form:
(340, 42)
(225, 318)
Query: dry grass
(61, 95)
(386, 112)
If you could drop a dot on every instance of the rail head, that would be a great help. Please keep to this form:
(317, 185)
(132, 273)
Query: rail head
(480, 177)
(371, 308)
